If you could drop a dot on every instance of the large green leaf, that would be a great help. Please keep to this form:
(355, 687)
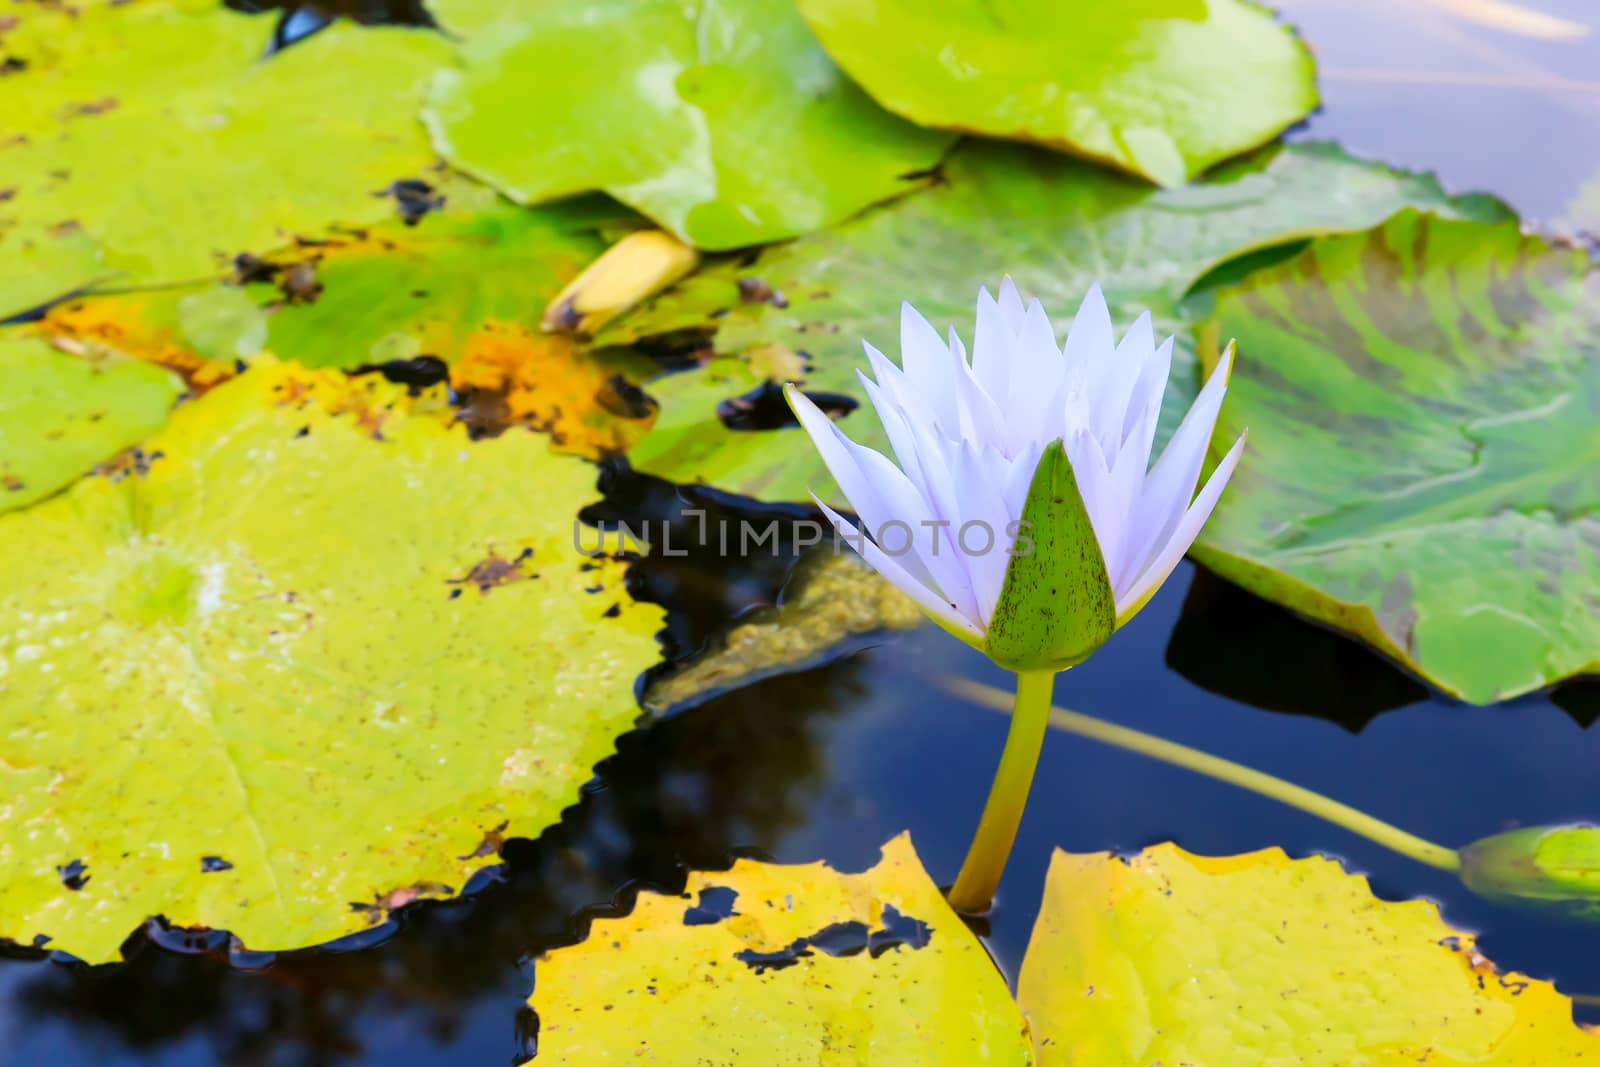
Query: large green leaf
(1162, 88)
(1424, 412)
(768, 964)
(1171, 958)
(61, 415)
(1054, 224)
(153, 140)
(296, 667)
(726, 123)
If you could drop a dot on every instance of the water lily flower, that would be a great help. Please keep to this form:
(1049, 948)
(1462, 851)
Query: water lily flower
(1021, 511)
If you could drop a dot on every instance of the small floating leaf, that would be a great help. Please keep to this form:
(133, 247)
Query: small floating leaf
(725, 123)
(773, 964)
(60, 415)
(1134, 84)
(1168, 957)
(1544, 865)
(315, 632)
(1424, 411)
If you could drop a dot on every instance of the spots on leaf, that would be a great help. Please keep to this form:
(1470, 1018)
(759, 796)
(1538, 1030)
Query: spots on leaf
(74, 874)
(414, 197)
(845, 939)
(490, 845)
(716, 904)
(495, 570)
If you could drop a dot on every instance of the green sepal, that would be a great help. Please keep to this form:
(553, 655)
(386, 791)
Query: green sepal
(1056, 605)
(1550, 865)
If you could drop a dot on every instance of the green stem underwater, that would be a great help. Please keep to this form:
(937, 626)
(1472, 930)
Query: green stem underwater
(1002, 812)
(1357, 822)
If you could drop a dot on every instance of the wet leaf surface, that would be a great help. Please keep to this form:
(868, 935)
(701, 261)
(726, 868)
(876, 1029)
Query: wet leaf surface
(235, 150)
(339, 674)
(800, 962)
(1422, 403)
(1169, 957)
(726, 124)
(1135, 85)
(61, 415)
(1054, 224)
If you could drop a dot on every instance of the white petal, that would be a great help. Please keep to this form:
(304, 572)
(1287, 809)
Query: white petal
(896, 426)
(937, 545)
(878, 491)
(929, 366)
(1182, 537)
(1121, 493)
(984, 546)
(1144, 406)
(927, 599)
(1113, 389)
(1019, 478)
(1036, 377)
(991, 346)
(1171, 482)
(1090, 339)
(981, 419)
(1010, 305)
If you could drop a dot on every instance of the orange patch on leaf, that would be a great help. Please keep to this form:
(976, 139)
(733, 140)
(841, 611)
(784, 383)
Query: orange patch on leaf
(118, 323)
(510, 375)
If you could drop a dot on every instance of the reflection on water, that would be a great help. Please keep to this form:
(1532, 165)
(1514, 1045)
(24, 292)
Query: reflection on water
(1503, 105)
(833, 762)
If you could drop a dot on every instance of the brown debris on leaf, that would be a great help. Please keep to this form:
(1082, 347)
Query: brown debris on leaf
(508, 375)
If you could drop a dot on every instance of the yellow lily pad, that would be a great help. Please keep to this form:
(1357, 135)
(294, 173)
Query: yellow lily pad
(294, 663)
(777, 965)
(1172, 958)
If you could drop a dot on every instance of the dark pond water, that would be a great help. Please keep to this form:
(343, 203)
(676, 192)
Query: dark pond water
(831, 762)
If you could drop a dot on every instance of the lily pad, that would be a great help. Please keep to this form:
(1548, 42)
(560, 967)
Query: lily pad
(1056, 225)
(235, 150)
(1169, 957)
(1136, 85)
(725, 123)
(310, 630)
(777, 965)
(1422, 403)
(462, 285)
(61, 415)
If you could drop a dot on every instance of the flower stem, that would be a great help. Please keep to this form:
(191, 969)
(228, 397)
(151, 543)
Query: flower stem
(1002, 813)
(1357, 822)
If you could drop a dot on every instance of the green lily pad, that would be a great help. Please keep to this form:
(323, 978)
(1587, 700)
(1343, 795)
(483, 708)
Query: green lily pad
(61, 415)
(773, 964)
(1161, 88)
(727, 124)
(1055, 224)
(1422, 403)
(1172, 958)
(306, 657)
(155, 140)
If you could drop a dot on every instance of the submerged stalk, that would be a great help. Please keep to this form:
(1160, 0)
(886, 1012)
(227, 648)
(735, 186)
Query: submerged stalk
(1357, 822)
(1002, 812)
